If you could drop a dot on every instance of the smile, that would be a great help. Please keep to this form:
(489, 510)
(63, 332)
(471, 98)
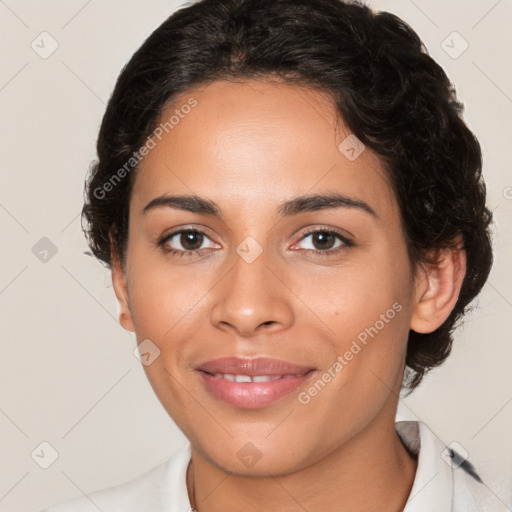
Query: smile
(249, 378)
(252, 383)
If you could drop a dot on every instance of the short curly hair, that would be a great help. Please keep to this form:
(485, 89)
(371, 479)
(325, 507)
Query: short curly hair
(390, 93)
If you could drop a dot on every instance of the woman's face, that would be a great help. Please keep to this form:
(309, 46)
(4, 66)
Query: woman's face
(249, 294)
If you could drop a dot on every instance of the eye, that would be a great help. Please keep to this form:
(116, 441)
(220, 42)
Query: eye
(323, 241)
(192, 241)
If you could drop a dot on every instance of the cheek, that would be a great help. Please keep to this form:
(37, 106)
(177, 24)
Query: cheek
(354, 296)
(367, 309)
(165, 303)
(167, 306)
(368, 317)
(162, 295)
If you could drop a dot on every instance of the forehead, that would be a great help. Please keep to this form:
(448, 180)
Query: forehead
(255, 143)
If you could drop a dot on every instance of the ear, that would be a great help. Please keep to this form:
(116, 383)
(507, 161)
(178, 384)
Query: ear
(120, 288)
(437, 288)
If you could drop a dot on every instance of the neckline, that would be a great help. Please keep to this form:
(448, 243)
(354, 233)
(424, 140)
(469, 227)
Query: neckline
(432, 487)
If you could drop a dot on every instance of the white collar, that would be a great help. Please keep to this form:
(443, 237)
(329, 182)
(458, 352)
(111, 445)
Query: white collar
(432, 488)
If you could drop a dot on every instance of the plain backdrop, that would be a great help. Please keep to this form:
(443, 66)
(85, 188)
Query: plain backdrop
(68, 375)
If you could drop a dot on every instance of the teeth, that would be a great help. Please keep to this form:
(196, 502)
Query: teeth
(249, 378)
(264, 378)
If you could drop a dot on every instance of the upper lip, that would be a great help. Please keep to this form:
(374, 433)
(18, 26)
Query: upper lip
(252, 366)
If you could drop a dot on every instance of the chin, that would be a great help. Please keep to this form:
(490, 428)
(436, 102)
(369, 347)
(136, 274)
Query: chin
(261, 465)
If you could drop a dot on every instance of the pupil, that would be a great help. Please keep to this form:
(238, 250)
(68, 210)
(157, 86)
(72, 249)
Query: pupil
(325, 237)
(189, 238)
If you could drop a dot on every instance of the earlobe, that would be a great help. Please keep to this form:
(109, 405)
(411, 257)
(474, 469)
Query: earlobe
(121, 289)
(438, 289)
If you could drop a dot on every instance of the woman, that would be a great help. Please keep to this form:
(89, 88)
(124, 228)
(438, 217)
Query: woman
(293, 212)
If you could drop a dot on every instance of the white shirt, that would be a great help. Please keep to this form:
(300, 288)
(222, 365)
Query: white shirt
(443, 483)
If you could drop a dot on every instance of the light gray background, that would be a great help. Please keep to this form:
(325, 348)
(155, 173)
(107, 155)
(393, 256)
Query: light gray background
(68, 375)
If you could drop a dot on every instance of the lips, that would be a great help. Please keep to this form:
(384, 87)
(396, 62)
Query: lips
(252, 383)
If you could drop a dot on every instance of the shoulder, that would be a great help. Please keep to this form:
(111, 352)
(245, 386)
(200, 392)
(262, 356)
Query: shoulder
(157, 490)
(471, 493)
(445, 480)
(137, 494)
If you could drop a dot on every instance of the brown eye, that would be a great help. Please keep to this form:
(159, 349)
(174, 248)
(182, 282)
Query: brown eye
(191, 240)
(186, 242)
(324, 240)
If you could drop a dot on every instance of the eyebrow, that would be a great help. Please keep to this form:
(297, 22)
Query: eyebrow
(300, 204)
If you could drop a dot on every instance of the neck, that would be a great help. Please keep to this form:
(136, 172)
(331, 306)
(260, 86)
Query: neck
(372, 471)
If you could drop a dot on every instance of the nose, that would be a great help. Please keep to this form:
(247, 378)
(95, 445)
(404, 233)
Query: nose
(252, 299)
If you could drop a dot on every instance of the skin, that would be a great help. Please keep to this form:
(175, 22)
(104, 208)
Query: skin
(251, 146)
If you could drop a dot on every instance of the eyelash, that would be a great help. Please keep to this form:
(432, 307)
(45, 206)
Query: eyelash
(347, 243)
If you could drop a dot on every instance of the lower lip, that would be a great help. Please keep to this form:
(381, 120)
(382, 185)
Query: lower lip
(252, 395)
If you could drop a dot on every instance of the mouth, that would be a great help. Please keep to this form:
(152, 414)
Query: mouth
(250, 378)
(252, 383)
